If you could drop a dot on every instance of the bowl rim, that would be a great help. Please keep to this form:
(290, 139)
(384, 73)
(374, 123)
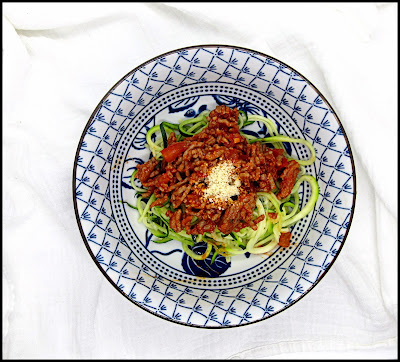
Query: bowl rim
(74, 198)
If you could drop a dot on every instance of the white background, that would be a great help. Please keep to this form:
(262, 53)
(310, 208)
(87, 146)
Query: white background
(59, 60)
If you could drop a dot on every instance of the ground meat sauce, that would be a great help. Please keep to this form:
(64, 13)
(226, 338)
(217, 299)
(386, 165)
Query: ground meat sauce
(183, 178)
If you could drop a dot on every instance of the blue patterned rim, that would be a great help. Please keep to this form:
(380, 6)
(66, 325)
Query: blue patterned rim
(184, 101)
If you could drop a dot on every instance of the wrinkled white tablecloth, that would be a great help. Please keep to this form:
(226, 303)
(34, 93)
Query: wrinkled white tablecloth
(59, 59)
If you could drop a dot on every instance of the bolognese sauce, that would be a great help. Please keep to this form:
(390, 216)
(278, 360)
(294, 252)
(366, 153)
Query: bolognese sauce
(212, 178)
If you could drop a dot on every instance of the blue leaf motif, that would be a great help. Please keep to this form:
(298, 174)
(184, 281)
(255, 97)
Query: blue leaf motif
(213, 316)
(318, 100)
(183, 104)
(85, 215)
(270, 309)
(99, 258)
(325, 123)
(100, 117)
(198, 308)
(247, 315)
(204, 268)
(340, 166)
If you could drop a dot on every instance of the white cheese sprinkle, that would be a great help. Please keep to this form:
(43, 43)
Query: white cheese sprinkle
(221, 182)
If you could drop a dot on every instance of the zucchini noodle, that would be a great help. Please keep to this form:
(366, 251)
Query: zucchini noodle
(280, 215)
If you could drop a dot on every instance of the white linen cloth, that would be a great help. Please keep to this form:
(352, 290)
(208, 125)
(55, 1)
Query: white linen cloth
(59, 60)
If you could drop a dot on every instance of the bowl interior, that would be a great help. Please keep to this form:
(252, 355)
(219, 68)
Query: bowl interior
(159, 277)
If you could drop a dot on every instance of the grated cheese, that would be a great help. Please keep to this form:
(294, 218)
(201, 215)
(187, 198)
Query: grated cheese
(222, 183)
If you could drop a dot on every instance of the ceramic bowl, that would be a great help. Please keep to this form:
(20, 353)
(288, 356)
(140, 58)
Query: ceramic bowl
(160, 278)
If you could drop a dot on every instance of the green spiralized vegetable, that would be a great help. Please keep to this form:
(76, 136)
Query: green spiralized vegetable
(262, 240)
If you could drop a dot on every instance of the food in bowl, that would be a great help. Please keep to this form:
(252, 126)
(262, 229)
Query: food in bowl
(208, 181)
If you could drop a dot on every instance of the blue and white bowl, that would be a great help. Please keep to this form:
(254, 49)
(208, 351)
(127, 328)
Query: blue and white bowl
(160, 278)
